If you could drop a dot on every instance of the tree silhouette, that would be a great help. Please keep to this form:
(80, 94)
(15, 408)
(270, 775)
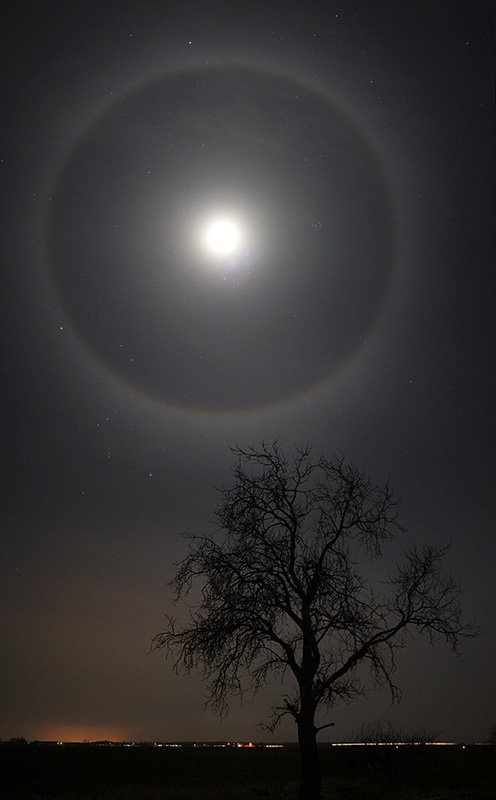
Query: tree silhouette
(282, 596)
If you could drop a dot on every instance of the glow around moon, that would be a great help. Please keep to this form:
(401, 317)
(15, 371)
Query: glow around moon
(234, 281)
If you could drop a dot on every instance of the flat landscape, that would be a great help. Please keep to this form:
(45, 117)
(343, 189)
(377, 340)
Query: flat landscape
(89, 772)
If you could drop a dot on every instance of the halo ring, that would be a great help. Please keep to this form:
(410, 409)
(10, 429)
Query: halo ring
(219, 408)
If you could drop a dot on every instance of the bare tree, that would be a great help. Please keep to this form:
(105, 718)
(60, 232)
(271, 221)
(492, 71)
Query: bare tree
(282, 596)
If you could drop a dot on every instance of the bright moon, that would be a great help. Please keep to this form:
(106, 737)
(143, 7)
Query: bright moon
(223, 236)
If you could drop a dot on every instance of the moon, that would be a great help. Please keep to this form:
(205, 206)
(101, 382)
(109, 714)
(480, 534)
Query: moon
(223, 236)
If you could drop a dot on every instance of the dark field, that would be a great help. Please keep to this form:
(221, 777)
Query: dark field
(39, 772)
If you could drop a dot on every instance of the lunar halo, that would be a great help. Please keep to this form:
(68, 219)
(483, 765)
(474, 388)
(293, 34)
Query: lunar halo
(224, 238)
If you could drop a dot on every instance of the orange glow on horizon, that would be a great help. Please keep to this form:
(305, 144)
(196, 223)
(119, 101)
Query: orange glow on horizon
(82, 733)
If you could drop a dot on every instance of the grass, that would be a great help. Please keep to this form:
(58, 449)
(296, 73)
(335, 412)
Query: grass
(40, 772)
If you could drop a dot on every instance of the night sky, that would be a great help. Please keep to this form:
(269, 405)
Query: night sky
(352, 146)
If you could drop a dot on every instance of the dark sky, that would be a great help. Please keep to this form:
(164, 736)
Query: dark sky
(354, 145)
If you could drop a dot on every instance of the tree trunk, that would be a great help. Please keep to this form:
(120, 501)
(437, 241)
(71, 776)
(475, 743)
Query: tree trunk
(309, 757)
